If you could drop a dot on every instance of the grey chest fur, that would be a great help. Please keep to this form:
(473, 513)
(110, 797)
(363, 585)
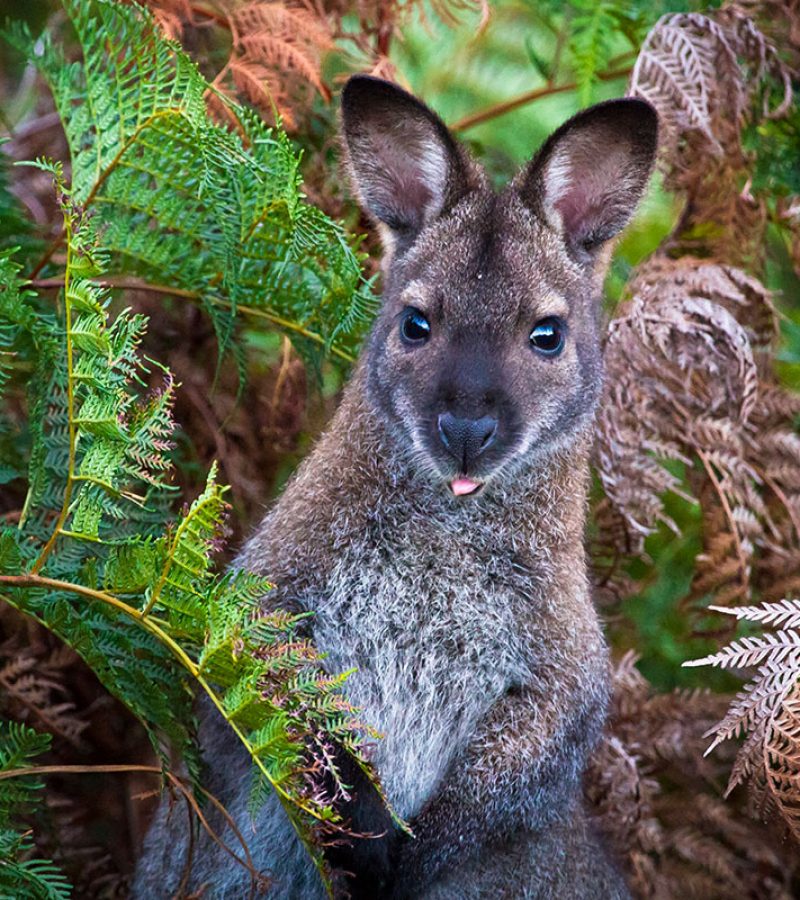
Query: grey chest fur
(432, 625)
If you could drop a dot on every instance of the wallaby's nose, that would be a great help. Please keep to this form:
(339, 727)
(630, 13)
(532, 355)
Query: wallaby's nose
(466, 439)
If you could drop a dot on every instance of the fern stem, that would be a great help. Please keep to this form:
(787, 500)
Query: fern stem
(135, 284)
(289, 326)
(110, 768)
(110, 489)
(62, 516)
(500, 109)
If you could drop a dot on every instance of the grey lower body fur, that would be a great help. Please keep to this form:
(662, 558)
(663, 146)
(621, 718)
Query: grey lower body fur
(567, 861)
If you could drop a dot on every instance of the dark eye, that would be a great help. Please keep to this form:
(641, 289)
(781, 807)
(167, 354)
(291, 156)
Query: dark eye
(415, 329)
(547, 336)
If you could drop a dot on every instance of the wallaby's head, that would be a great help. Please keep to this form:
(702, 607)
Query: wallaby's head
(486, 354)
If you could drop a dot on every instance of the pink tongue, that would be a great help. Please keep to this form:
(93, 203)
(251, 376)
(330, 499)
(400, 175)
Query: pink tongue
(461, 486)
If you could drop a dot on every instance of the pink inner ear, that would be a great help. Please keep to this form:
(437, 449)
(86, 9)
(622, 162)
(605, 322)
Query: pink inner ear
(590, 184)
(411, 194)
(577, 210)
(408, 175)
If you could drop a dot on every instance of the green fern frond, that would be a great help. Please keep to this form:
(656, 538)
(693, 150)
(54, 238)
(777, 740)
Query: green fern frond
(99, 437)
(22, 875)
(18, 746)
(593, 31)
(186, 573)
(139, 600)
(182, 202)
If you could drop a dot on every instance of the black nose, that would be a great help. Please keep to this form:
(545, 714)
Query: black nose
(466, 439)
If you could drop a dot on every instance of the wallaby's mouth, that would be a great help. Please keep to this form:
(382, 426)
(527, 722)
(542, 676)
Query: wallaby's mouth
(463, 486)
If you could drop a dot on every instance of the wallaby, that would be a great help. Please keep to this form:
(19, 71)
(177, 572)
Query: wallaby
(436, 532)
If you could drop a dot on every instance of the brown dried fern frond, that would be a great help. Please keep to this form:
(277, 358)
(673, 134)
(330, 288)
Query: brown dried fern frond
(277, 54)
(272, 49)
(685, 359)
(68, 836)
(779, 20)
(709, 77)
(656, 799)
(766, 710)
(703, 394)
(173, 16)
(276, 48)
(689, 361)
(742, 295)
(32, 690)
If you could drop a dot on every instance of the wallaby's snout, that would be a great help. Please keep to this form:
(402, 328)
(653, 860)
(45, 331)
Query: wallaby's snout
(470, 408)
(466, 439)
(486, 355)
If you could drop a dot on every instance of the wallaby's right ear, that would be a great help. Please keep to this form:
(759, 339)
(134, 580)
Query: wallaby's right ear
(405, 164)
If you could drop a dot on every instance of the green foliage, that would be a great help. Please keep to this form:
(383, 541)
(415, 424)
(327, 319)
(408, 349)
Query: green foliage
(595, 29)
(15, 229)
(21, 875)
(161, 193)
(187, 205)
(95, 559)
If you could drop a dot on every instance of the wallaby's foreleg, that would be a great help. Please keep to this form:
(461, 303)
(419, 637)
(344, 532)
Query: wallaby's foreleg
(363, 862)
(522, 771)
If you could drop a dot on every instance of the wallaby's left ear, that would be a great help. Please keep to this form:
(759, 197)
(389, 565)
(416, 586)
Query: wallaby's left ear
(589, 176)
